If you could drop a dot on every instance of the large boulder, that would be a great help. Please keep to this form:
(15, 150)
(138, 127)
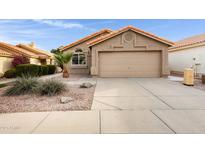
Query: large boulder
(65, 100)
(86, 85)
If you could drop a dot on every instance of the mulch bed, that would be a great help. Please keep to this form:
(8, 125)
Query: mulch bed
(33, 103)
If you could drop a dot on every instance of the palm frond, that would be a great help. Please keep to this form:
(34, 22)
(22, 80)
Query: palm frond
(63, 58)
(58, 58)
(67, 57)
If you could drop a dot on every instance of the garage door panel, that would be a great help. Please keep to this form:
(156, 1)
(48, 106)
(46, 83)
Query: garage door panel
(130, 64)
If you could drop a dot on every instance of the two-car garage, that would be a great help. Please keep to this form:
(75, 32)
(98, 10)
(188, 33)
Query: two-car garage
(130, 64)
(129, 52)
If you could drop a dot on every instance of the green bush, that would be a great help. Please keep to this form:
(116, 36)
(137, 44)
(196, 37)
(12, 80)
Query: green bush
(51, 69)
(23, 85)
(27, 69)
(43, 70)
(3, 85)
(10, 73)
(50, 87)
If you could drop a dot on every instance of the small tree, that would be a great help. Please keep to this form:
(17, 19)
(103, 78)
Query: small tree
(64, 59)
(20, 60)
(56, 51)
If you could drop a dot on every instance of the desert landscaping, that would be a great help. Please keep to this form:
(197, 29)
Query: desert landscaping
(81, 99)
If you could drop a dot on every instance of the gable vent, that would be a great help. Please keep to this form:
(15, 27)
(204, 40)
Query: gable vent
(128, 37)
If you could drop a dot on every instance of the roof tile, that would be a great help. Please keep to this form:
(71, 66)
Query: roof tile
(35, 50)
(86, 38)
(194, 40)
(114, 33)
(16, 50)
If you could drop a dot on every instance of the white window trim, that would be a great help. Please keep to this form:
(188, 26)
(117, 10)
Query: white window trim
(83, 65)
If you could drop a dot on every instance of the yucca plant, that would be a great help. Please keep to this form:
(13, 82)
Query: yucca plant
(64, 59)
(49, 87)
(23, 85)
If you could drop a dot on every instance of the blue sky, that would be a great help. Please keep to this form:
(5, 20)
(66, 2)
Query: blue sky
(48, 34)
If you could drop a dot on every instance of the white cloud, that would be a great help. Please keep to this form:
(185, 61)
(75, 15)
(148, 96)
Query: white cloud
(60, 23)
(12, 41)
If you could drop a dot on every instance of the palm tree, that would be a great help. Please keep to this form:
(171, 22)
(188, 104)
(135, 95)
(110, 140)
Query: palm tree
(63, 59)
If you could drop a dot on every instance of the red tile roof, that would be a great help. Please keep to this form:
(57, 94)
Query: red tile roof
(14, 50)
(189, 42)
(86, 38)
(5, 53)
(114, 33)
(39, 52)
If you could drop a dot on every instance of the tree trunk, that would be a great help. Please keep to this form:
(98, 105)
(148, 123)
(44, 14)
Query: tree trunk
(65, 71)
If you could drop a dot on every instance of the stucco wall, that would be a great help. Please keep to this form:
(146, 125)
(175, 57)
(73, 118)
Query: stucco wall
(5, 64)
(48, 61)
(178, 60)
(35, 61)
(138, 43)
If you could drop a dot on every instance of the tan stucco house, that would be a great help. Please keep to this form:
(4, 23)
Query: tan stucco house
(36, 56)
(44, 57)
(188, 53)
(128, 52)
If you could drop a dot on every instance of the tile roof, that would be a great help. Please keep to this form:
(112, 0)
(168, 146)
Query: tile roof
(86, 38)
(114, 33)
(37, 51)
(189, 42)
(12, 49)
(5, 53)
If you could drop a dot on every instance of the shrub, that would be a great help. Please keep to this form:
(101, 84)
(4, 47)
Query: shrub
(3, 85)
(51, 69)
(23, 85)
(10, 73)
(50, 87)
(27, 69)
(20, 60)
(43, 70)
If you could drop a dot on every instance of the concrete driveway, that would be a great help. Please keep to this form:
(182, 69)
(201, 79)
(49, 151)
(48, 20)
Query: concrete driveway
(122, 105)
(144, 105)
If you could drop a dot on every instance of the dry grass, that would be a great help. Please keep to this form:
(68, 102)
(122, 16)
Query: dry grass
(34, 103)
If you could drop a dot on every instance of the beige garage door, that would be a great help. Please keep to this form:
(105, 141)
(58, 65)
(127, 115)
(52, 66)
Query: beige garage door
(130, 64)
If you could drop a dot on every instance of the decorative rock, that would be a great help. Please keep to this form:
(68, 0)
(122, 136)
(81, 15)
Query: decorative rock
(58, 70)
(65, 100)
(86, 85)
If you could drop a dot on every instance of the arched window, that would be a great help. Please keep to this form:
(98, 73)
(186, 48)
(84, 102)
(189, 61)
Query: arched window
(79, 58)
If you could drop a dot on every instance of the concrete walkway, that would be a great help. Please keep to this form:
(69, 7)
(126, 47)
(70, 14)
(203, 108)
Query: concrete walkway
(122, 105)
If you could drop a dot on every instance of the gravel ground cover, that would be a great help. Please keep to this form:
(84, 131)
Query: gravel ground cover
(33, 103)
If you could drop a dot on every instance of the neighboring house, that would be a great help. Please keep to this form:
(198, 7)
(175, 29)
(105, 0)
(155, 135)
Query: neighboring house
(8, 51)
(188, 53)
(128, 52)
(44, 57)
(5, 61)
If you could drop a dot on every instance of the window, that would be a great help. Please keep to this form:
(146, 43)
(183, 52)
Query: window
(79, 58)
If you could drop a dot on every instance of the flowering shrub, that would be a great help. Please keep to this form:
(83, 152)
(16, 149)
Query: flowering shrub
(20, 60)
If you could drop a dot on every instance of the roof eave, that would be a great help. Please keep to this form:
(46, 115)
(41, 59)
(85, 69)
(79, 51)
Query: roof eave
(130, 28)
(172, 49)
(83, 40)
(33, 50)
